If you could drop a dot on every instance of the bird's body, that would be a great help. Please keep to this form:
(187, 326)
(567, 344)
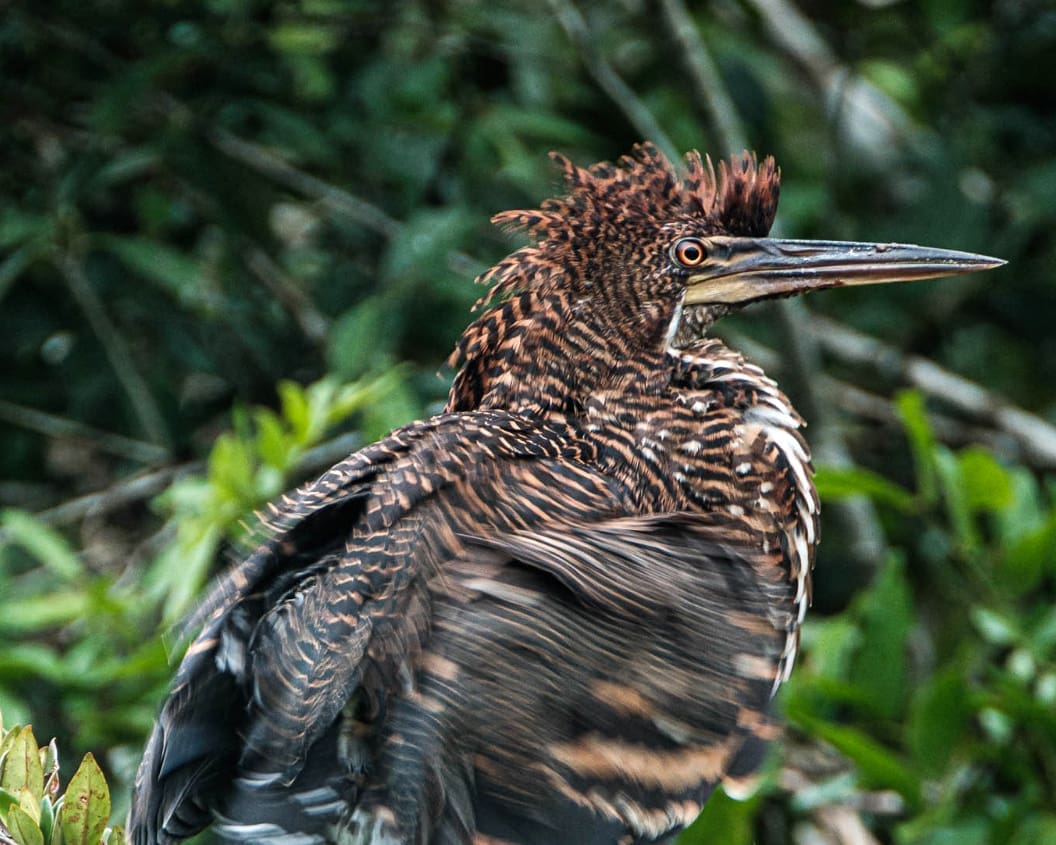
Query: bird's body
(557, 612)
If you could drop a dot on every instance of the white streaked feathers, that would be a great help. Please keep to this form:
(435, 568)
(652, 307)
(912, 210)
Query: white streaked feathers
(771, 417)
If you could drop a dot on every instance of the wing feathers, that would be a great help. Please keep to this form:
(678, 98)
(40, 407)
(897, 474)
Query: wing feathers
(381, 624)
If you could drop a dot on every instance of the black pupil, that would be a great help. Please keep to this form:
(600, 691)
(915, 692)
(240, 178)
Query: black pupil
(690, 253)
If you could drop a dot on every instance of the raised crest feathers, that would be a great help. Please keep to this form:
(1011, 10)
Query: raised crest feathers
(643, 188)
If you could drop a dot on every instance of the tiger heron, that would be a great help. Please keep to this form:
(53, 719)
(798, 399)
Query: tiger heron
(559, 611)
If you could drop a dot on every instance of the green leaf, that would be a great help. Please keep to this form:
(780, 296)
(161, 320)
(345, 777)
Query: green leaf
(23, 828)
(7, 800)
(886, 612)
(987, 486)
(837, 483)
(997, 725)
(394, 407)
(995, 628)
(1042, 634)
(187, 566)
(419, 250)
(893, 79)
(1039, 829)
(1027, 557)
(364, 394)
(938, 719)
(307, 38)
(362, 338)
(274, 446)
(295, 131)
(17, 226)
(86, 805)
(127, 165)
(509, 121)
(962, 831)
(47, 817)
(45, 544)
(955, 496)
(830, 644)
(6, 741)
(29, 802)
(295, 408)
(117, 836)
(910, 407)
(320, 396)
(174, 271)
(35, 613)
(231, 470)
(723, 821)
(22, 767)
(15, 264)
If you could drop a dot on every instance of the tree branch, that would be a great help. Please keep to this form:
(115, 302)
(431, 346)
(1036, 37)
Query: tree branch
(51, 425)
(708, 85)
(124, 492)
(118, 353)
(144, 485)
(1035, 437)
(866, 118)
(313, 324)
(270, 164)
(863, 404)
(618, 91)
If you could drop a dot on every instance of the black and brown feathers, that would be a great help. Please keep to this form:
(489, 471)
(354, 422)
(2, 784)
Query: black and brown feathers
(557, 612)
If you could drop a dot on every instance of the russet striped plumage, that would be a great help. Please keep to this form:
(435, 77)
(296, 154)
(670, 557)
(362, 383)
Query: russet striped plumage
(559, 611)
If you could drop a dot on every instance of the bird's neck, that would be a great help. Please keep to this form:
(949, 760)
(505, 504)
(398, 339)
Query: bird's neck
(550, 355)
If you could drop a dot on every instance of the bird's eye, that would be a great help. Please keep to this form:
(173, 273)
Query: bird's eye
(689, 252)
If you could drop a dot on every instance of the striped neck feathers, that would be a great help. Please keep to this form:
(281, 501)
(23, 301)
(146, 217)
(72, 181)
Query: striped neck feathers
(547, 352)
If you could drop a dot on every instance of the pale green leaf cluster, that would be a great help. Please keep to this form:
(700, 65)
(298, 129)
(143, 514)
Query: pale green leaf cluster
(35, 810)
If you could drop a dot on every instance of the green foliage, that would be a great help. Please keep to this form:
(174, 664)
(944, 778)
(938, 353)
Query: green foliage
(32, 810)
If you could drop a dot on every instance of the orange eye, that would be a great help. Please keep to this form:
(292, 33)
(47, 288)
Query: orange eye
(689, 252)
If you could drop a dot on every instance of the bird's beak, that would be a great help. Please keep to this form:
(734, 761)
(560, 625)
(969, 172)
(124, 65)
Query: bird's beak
(742, 270)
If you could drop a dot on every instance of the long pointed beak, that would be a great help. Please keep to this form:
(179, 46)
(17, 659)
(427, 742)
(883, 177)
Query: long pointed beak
(742, 270)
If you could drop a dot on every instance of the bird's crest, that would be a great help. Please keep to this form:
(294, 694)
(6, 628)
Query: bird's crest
(643, 188)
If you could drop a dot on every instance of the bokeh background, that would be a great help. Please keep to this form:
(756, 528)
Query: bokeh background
(237, 239)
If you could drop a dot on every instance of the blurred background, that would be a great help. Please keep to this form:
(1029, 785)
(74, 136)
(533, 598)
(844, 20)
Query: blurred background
(237, 239)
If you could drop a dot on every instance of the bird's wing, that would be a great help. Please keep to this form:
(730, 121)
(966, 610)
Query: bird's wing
(633, 661)
(337, 592)
(194, 748)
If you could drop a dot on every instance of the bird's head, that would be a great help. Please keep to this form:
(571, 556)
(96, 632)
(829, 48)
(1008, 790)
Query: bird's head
(634, 243)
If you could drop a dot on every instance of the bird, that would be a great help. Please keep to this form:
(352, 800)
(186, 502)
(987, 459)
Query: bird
(558, 611)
